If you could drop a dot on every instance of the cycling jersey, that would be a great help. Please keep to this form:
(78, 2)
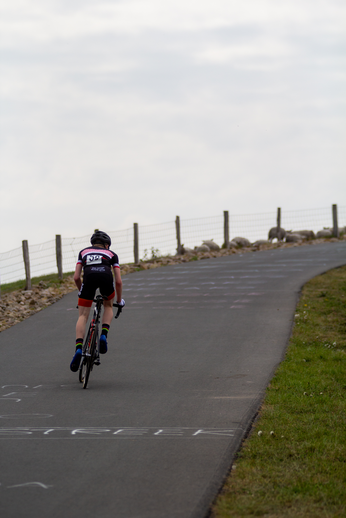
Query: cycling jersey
(97, 266)
(94, 256)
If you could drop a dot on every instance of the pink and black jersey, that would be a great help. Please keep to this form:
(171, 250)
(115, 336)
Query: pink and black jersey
(94, 256)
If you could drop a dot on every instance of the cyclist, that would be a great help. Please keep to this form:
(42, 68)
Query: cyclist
(97, 262)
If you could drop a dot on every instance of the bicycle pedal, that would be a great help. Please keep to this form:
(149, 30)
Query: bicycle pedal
(97, 361)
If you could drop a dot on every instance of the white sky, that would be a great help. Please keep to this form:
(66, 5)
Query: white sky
(123, 111)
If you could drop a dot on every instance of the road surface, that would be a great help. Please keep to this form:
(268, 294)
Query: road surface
(155, 433)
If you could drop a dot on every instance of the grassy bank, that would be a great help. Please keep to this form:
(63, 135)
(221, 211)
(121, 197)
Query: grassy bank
(293, 464)
(51, 280)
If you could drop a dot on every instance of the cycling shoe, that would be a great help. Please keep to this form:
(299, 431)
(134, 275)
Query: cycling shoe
(103, 344)
(74, 365)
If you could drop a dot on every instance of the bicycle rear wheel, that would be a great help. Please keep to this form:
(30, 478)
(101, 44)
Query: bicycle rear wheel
(82, 366)
(86, 355)
(89, 359)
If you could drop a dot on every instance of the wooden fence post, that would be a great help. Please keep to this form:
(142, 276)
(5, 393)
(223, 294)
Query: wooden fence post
(177, 228)
(135, 243)
(226, 228)
(335, 221)
(278, 223)
(58, 250)
(25, 247)
(278, 217)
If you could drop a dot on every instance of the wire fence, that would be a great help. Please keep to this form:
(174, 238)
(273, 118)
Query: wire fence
(161, 239)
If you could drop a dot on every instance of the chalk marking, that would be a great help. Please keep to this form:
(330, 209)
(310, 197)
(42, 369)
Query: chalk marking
(4, 386)
(229, 433)
(170, 432)
(109, 433)
(89, 430)
(28, 484)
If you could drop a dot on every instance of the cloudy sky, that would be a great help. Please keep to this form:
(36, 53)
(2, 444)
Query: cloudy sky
(122, 111)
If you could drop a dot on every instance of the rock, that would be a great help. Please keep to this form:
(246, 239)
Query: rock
(202, 248)
(187, 250)
(241, 241)
(260, 242)
(342, 230)
(324, 233)
(309, 234)
(212, 245)
(294, 238)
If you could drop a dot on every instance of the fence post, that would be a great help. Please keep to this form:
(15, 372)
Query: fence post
(278, 223)
(226, 228)
(335, 221)
(177, 228)
(58, 251)
(25, 247)
(135, 243)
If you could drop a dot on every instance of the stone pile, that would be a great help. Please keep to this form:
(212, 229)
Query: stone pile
(20, 304)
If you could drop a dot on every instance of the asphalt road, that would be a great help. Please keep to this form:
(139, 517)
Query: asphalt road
(155, 433)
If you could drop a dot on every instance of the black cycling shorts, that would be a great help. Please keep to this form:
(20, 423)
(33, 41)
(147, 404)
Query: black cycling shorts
(96, 277)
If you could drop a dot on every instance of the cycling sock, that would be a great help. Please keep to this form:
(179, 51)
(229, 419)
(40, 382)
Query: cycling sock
(79, 343)
(105, 329)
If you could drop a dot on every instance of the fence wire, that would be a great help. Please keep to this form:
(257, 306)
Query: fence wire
(157, 240)
(42, 258)
(310, 219)
(12, 266)
(251, 226)
(194, 231)
(160, 239)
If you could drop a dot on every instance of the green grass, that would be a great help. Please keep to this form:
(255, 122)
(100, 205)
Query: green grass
(49, 280)
(299, 470)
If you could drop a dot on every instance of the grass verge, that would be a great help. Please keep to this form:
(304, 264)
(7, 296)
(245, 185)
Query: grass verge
(51, 280)
(293, 464)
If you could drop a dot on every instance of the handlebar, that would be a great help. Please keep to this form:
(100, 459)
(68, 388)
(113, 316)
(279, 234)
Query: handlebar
(120, 308)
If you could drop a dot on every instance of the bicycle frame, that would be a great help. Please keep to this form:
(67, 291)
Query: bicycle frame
(90, 353)
(90, 347)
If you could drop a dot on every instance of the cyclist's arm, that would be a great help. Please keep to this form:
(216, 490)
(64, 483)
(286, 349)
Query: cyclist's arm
(77, 276)
(118, 284)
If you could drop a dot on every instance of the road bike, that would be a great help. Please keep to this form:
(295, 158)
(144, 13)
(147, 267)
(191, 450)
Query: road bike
(90, 351)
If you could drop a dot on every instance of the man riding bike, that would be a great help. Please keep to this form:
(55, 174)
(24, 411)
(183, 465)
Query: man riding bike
(98, 263)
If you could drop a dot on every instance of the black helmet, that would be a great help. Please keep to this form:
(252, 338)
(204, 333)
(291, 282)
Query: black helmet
(100, 237)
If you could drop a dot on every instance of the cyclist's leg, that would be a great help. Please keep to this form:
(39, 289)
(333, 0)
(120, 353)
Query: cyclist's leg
(80, 333)
(106, 322)
(86, 297)
(85, 300)
(108, 292)
(108, 311)
(83, 316)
